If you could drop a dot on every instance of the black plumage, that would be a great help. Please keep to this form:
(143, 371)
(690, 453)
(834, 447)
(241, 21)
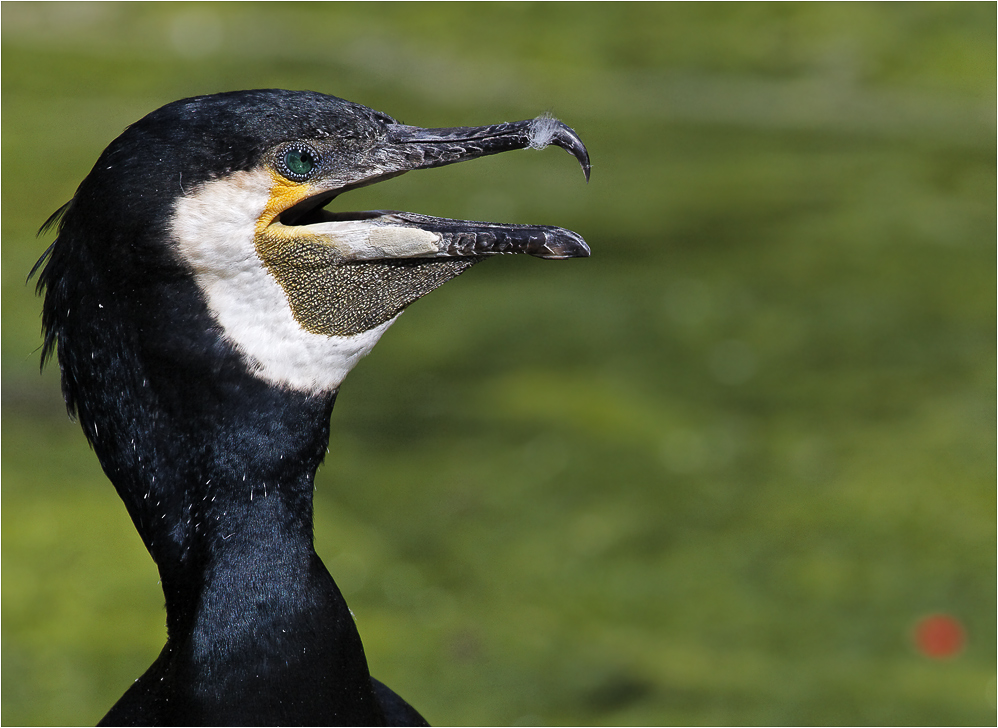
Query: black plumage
(207, 418)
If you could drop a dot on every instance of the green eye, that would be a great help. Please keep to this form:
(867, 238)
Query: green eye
(298, 162)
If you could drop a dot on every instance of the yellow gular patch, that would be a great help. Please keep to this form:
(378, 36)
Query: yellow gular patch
(284, 194)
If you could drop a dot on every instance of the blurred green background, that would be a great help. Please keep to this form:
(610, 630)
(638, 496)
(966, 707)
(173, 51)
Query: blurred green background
(714, 474)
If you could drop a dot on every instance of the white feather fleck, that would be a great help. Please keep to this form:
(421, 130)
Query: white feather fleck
(542, 131)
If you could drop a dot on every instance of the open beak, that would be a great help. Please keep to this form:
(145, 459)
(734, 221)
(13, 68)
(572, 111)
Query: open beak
(388, 234)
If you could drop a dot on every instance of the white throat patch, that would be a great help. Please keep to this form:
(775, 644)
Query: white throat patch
(214, 229)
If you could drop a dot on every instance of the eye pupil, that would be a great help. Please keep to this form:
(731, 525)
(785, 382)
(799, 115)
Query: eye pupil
(299, 161)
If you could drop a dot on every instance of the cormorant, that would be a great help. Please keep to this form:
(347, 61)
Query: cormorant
(205, 309)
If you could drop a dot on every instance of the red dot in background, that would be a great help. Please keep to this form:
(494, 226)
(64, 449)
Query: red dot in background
(939, 636)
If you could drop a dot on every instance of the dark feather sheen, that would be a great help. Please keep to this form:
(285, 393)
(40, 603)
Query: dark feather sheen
(215, 466)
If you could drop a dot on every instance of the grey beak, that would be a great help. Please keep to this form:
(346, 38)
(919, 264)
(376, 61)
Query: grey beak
(424, 148)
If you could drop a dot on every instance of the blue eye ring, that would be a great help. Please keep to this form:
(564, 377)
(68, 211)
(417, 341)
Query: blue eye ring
(298, 161)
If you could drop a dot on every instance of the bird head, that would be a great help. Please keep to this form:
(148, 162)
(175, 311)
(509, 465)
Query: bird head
(228, 191)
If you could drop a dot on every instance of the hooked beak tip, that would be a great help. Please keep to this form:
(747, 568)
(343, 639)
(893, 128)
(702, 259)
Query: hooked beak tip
(546, 130)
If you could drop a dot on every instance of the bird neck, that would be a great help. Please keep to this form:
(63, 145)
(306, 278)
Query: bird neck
(219, 484)
(235, 531)
(251, 609)
(216, 468)
(192, 441)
